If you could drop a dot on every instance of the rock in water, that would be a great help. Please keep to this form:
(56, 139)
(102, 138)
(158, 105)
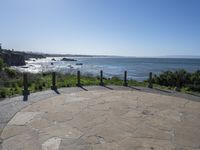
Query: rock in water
(79, 64)
(68, 59)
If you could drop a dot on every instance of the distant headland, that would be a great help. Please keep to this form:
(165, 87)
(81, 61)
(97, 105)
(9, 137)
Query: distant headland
(17, 58)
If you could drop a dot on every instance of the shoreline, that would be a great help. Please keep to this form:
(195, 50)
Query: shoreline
(138, 68)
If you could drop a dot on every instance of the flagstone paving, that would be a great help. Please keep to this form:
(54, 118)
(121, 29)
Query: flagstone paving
(105, 119)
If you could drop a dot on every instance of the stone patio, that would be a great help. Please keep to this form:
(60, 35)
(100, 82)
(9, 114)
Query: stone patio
(105, 119)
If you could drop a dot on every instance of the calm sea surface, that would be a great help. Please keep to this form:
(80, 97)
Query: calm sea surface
(138, 68)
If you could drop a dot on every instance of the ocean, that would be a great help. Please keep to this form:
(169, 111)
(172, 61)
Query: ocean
(137, 68)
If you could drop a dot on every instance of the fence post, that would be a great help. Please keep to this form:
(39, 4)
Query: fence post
(78, 79)
(125, 79)
(101, 78)
(25, 90)
(150, 80)
(54, 87)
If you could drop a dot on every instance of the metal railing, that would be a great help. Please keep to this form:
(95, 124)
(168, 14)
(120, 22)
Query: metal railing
(26, 84)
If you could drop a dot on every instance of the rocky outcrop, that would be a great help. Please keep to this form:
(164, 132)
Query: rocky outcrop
(17, 58)
(12, 58)
(68, 59)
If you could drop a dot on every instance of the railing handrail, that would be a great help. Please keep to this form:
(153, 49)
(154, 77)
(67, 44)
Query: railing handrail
(54, 87)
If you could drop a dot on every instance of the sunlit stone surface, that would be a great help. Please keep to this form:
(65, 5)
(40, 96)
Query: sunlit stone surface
(106, 119)
(51, 144)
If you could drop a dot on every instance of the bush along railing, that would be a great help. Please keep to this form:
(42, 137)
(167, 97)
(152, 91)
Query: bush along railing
(179, 80)
(150, 83)
(10, 88)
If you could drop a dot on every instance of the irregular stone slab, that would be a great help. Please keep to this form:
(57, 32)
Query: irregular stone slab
(21, 118)
(12, 130)
(51, 144)
(23, 141)
(106, 119)
(62, 130)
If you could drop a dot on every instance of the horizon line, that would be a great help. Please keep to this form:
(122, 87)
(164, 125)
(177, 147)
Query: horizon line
(102, 55)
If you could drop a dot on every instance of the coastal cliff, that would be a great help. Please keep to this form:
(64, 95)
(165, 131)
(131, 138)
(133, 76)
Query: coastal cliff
(16, 58)
(12, 58)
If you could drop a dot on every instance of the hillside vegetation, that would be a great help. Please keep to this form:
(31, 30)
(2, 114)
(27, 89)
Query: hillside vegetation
(184, 80)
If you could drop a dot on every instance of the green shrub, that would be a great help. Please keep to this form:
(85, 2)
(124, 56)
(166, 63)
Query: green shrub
(10, 72)
(194, 87)
(172, 79)
(19, 83)
(36, 88)
(3, 93)
(40, 87)
(195, 77)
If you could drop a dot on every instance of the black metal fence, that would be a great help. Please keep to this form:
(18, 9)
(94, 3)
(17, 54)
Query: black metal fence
(25, 82)
(26, 92)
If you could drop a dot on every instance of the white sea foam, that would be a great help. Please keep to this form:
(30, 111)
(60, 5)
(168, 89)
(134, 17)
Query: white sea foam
(138, 68)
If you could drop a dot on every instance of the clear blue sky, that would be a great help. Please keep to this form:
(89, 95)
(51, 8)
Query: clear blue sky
(108, 27)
